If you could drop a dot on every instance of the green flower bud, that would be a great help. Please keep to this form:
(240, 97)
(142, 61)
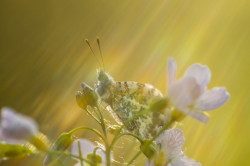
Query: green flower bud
(86, 97)
(61, 144)
(159, 104)
(15, 150)
(148, 148)
(95, 159)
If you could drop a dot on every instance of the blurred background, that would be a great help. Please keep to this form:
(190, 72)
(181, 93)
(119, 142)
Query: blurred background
(43, 60)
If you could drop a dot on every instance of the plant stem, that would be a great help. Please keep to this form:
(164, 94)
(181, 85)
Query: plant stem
(103, 125)
(80, 152)
(107, 147)
(119, 136)
(92, 115)
(163, 129)
(71, 155)
(87, 128)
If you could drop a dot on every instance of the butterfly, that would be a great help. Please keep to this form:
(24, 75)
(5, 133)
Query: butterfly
(129, 98)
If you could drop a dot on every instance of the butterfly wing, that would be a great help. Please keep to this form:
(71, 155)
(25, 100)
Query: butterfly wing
(127, 99)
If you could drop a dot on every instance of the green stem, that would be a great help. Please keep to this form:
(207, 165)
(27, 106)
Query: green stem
(96, 148)
(103, 125)
(107, 147)
(71, 155)
(87, 128)
(80, 152)
(93, 116)
(167, 125)
(119, 136)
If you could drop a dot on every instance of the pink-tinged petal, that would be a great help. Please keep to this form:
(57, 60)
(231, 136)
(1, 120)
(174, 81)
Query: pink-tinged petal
(198, 115)
(16, 127)
(171, 71)
(212, 99)
(200, 72)
(184, 92)
(87, 147)
(171, 142)
(183, 161)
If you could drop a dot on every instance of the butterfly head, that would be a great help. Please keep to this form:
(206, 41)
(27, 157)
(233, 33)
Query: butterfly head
(105, 81)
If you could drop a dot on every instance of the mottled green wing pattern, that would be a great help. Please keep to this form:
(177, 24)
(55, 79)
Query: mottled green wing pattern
(130, 98)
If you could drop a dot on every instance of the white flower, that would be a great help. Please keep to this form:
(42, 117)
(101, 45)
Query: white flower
(171, 143)
(87, 147)
(190, 95)
(16, 128)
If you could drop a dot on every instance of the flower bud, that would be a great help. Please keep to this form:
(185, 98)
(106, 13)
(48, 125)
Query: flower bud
(148, 148)
(86, 97)
(95, 159)
(159, 104)
(61, 144)
(15, 150)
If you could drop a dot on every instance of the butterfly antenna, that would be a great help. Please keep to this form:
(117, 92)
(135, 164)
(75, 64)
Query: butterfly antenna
(87, 41)
(99, 45)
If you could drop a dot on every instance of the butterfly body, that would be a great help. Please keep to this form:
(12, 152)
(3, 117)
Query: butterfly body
(128, 99)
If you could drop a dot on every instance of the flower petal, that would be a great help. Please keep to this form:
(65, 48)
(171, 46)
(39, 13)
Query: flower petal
(212, 99)
(198, 115)
(200, 72)
(183, 161)
(171, 142)
(16, 127)
(171, 71)
(184, 92)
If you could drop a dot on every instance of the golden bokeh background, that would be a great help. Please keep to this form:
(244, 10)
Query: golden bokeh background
(43, 60)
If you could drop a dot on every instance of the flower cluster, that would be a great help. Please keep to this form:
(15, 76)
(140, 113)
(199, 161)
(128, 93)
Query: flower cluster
(190, 95)
(187, 96)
